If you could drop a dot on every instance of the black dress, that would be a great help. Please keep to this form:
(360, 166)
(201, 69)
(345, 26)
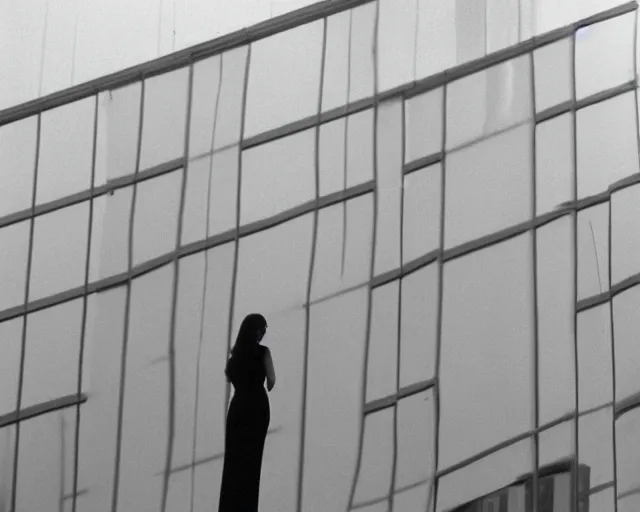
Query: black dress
(247, 425)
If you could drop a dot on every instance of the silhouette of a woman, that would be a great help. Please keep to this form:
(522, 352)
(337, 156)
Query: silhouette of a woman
(248, 418)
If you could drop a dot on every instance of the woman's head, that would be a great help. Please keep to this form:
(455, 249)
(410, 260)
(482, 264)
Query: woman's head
(252, 330)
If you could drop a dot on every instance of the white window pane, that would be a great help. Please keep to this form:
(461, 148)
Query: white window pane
(14, 252)
(66, 149)
(556, 309)
(336, 353)
(205, 102)
(333, 145)
(336, 65)
(11, 336)
(603, 501)
(396, 42)
(419, 325)
(291, 58)
(165, 117)
(423, 125)
(502, 24)
(593, 251)
(362, 41)
(594, 357)
(383, 342)
(7, 457)
(436, 49)
(596, 445)
(607, 144)
(360, 149)
(626, 322)
(471, 23)
(553, 74)
(412, 499)
(627, 448)
(625, 233)
(229, 116)
(59, 251)
(277, 176)
(17, 165)
(556, 444)
(595, 46)
(554, 163)
(487, 337)
(474, 177)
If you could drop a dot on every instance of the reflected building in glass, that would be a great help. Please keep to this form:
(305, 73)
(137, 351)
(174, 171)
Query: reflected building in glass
(436, 205)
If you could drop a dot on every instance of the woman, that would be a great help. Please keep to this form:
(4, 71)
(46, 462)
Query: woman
(248, 418)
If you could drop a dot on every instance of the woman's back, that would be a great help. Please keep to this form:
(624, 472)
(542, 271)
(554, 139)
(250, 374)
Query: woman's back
(246, 370)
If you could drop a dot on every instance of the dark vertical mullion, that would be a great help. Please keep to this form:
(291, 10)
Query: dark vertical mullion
(436, 391)
(613, 367)
(372, 263)
(635, 76)
(205, 280)
(234, 279)
(85, 302)
(574, 113)
(63, 475)
(127, 312)
(305, 374)
(174, 300)
(346, 150)
(16, 455)
(536, 320)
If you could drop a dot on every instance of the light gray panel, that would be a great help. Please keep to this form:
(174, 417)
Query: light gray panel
(627, 448)
(502, 24)
(595, 46)
(554, 163)
(436, 37)
(593, 251)
(595, 370)
(557, 443)
(414, 499)
(556, 309)
(165, 117)
(363, 32)
(7, 454)
(52, 351)
(625, 233)
(14, 252)
(471, 24)
(419, 322)
(485, 476)
(629, 503)
(360, 149)
(474, 177)
(626, 322)
(204, 104)
(17, 164)
(277, 176)
(397, 42)
(336, 66)
(156, 217)
(336, 350)
(487, 336)
(11, 336)
(332, 156)
(553, 76)
(66, 149)
(604, 501)
(607, 145)
(596, 445)
(293, 58)
(423, 122)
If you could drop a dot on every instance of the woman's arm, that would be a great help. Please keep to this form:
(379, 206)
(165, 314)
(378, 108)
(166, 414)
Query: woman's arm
(271, 373)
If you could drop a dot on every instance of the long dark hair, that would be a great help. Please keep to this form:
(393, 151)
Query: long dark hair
(246, 343)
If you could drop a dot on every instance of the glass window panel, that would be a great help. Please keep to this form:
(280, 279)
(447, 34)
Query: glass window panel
(389, 184)
(277, 176)
(593, 251)
(52, 351)
(66, 149)
(556, 444)
(423, 125)
(46, 460)
(333, 145)
(629, 503)
(336, 66)
(383, 342)
(556, 309)
(7, 455)
(110, 234)
(625, 233)
(436, 47)
(165, 116)
(17, 164)
(14, 252)
(360, 149)
(416, 425)
(145, 421)
(487, 337)
(488, 101)
(118, 129)
(485, 476)
(101, 378)
(553, 76)
(607, 145)
(594, 357)
(422, 209)
(293, 58)
(337, 337)
(412, 499)
(374, 479)
(343, 257)
(471, 24)
(474, 177)
(59, 251)
(156, 216)
(11, 336)
(381, 506)
(211, 404)
(596, 445)
(419, 325)
(396, 42)
(626, 322)
(627, 449)
(211, 195)
(603, 501)
(205, 102)
(554, 163)
(502, 24)
(362, 67)
(595, 45)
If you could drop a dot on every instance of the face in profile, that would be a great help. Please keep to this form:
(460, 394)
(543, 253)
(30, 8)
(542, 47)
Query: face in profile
(261, 333)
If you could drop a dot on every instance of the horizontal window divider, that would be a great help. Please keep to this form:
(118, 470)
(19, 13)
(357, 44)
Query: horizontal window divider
(421, 163)
(629, 493)
(42, 408)
(391, 400)
(627, 404)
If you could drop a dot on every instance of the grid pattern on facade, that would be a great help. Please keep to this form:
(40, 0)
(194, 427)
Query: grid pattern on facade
(446, 265)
